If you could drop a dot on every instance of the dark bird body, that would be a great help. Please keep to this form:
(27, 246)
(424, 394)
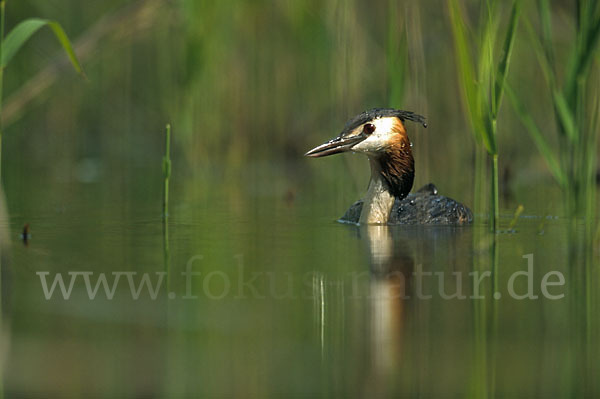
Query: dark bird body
(425, 206)
(380, 134)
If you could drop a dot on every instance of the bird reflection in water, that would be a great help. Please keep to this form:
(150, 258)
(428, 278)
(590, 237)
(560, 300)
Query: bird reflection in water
(391, 266)
(383, 323)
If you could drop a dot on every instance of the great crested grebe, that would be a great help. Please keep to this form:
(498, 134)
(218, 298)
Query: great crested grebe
(380, 134)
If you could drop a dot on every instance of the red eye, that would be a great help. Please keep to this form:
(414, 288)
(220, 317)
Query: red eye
(368, 128)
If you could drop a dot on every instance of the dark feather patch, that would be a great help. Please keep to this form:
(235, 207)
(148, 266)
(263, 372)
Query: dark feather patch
(398, 168)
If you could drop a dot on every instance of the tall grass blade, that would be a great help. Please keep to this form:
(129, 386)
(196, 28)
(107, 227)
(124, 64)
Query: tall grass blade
(505, 59)
(538, 138)
(485, 79)
(584, 57)
(486, 58)
(565, 116)
(465, 67)
(2, 17)
(17, 37)
(546, 22)
(473, 89)
(587, 35)
(483, 91)
(488, 133)
(541, 54)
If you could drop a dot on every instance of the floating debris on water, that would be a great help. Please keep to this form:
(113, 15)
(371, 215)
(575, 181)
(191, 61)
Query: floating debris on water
(516, 216)
(25, 235)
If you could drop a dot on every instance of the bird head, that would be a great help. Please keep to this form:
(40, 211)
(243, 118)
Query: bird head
(372, 133)
(380, 134)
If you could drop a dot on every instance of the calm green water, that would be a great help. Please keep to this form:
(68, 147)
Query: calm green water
(288, 302)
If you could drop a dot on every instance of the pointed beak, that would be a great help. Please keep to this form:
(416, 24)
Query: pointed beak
(335, 146)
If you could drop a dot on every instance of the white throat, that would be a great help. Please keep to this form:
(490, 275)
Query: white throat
(378, 202)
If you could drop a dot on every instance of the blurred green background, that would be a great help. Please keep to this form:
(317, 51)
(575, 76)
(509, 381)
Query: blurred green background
(249, 87)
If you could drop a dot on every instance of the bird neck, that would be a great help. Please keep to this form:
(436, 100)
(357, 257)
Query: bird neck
(379, 200)
(392, 176)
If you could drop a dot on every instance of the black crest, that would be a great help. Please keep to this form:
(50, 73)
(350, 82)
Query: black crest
(375, 113)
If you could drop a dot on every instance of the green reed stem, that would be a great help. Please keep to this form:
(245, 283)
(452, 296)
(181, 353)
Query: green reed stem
(2, 14)
(493, 334)
(167, 256)
(167, 176)
(480, 169)
(482, 82)
(494, 208)
(167, 171)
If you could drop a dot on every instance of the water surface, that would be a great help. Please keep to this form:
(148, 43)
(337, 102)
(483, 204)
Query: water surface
(287, 302)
